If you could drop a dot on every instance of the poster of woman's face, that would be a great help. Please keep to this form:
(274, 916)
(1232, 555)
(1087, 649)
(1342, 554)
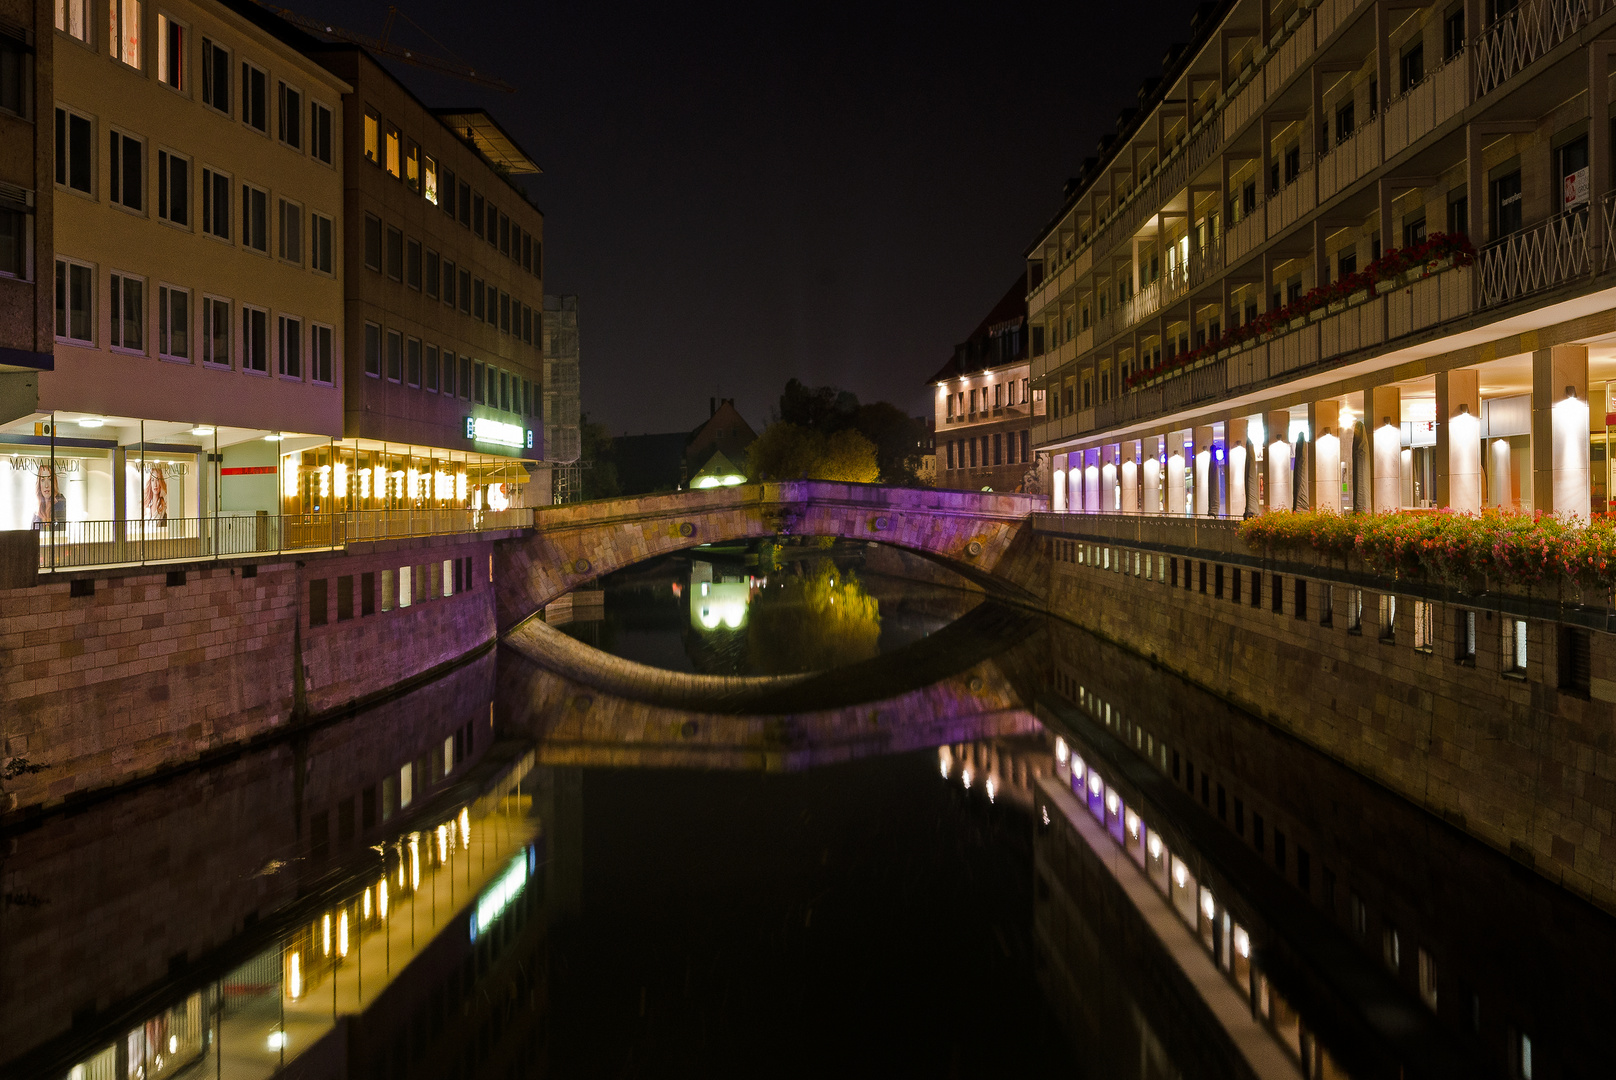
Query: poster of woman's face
(43, 492)
(156, 495)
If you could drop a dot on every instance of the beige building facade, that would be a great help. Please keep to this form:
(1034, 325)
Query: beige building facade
(25, 200)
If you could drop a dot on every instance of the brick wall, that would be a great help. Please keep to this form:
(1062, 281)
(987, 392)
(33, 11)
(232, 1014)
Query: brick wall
(157, 667)
(1508, 756)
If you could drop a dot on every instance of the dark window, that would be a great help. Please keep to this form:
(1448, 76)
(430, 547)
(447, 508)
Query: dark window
(1202, 578)
(373, 243)
(1411, 67)
(1304, 869)
(1234, 591)
(1344, 122)
(367, 594)
(344, 597)
(1173, 571)
(395, 356)
(367, 807)
(1374, 98)
(395, 254)
(1257, 831)
(1279, 851)
(432, 274)
(1414, 229)
(1347, 263)
(1458, 215)
(1505, 196)
(215, 76)
(1217, 582)
(1276, 599)
(1239, 817)
(317, 602)
(412, 264)
(373, 350)
(1453, 33)
(1571, 161)
(1223, 809)
(73, 141)
(1256, 589)
(1575, 660)
(255, 97)
(1299, 603)
(463, 198)
(1293, 162)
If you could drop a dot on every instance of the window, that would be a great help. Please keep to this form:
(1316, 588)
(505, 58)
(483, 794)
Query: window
(1524, 1064)
(433, 273)
(412, 264)
(1391, 949)
(320, 125)
(254, 97)
(373, 243)
(1345, 122)
(1355, 611)
(73, 153)
(1515, 646)
(1458, 213)
(390, 149)
(73, 18)
(215, 331)
(431, 369)
(505, 313)
(395, 254)
(463, 198)
(504, 392)
(291, 346)
(1427, 966)
(412, 167)
(173, 188)
(1276, 596)
(446, 191)
(1299, 602)
(322, 351)
(216, 204)
(1576, 670)
(291, 237)
(1464, 637)
(412, 352)
(477, 383)
(124, 28)
(1453, 33)
(1414, 229)
(1505, 192)
(15, 233)
(1424, 626)
(172, 38)
(290, 121)
(254, 339)
(373, 350)
(74, 301)
(320, 249)
(255, 218)
(429, 173)
(449, 283)
(395, 356)
(173, 323)
(465, 377)
(373, 135)
(478, 207)
(478, 309)
(1411, 67)
(504, 234)
(215, 76)
(127, 175)
(1388, 617)
(128, 298)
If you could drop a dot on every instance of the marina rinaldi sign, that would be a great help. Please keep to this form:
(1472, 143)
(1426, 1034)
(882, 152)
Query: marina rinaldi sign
(485, 429)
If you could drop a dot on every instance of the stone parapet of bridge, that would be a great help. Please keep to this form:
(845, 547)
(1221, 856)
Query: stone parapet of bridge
(981, 534)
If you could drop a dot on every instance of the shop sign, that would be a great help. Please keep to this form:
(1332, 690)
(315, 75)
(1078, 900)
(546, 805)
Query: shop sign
(42, 465)
(1576, 188)
(485, 429)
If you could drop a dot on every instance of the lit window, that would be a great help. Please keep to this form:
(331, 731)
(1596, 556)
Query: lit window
(1428, 979)
(373, 138)
(1515, 646)
(391, 160)
(1465, 637)
(123, 28)
(1388, 617)
(73, 18)
(1424, 627)
(172, 39)
(430, 171)
(412, 167)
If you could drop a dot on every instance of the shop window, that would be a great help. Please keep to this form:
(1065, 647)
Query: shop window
(320, 244)
(73, 18)
(128, 302)
(173, 323)
(395, 356)
(322, 354)
(1514, 647)
(75, 301)
(290, 337)
(1575, 661)
(291, 232)
(216, 204)
(127, 171)
(320, 132)
(254, 339)
(216, 331)
(74, 157)
(254, 97)
(289, 122)
(373, 350)
(255, 218)
(318, 607)
(124, 29)
(173, 188)
(215, 76)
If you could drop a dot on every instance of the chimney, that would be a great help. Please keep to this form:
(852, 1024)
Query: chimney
(712, 406)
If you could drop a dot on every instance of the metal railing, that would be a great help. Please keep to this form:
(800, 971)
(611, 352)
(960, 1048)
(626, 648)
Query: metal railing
(71, 545)
(1535, 258)
(1520, 37)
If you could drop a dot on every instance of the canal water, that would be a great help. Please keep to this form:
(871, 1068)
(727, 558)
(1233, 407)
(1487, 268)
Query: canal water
(1000, 845)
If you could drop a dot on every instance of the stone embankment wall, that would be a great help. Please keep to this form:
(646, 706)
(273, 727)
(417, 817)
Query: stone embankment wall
(1525, 760)
(158, 667)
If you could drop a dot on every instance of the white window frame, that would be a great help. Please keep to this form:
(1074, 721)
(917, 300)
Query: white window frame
(315, 330)
(248, 188)
(164, 60)
(116, 167)
(118, 11)
(289, 210)
(203, 47)
(1516, 647)
(246, 340)
(282, 88)
(70, 263)
(113, 286)
(331, 122)
(282, 321)
(315, 218)
(429, 178)
(64, 23)
(206, 340)
(28, 268)
(165, 192)
(66, 185)
(245, 111)
(165, 327)
(208, 174)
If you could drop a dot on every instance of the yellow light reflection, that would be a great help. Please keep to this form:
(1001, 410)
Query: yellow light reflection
(381, 898)
(342, 933)
(294, 975)
(465, 827)
(325, 933)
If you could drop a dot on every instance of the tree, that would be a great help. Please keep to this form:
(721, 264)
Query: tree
(897, 437)
(787, 451)
(595, 454)
(820, 620)
(826, 408)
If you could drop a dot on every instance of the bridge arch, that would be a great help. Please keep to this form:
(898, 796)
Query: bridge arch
(980, 534)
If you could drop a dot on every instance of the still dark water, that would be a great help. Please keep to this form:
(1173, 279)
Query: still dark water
(1053, 857)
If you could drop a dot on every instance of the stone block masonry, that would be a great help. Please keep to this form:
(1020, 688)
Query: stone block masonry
(110, 678)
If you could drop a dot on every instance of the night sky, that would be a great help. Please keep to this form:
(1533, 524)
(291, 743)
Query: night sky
(741, 194)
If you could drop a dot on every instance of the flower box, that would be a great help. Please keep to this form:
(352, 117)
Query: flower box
(1336, 307)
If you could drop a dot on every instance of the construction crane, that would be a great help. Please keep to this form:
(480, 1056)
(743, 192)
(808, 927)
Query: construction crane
(384, 46)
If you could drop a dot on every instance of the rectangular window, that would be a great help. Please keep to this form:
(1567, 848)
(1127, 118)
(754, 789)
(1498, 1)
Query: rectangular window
(1388, 617)
(390, 152)
(1453, 33)
(448, 283)
(373, 350)
(1256, 589)
(412, 168)
(478, 308)
(255, 218)
(172, 57)
(412, 263)
(1514, 650)
(291, 347)
(1276, 597)
(373, 243)
(1299, 601)
(432, 274)
(254, 340)
(254, 97)
(319, 605)
(1411, 66)
(477, 209)
(320, 243)
(367, 594)
(504, 312)
(1424, 626)
(322, 354)
(75, 313)
(431, 380)
(215, 331)
(74, 167)
(1326, 605)
(504, 391)
(173, 323)
(128, 301)
(373, 137)
(1355, 611)
(395, 356)
(429, 179)
(395, 254)
(127, 173)
(345, 602)
(1505, 195)
(412, 354)
(215, 76)
(321, 124)
(216, 204)
(465, 292)
(291, 236)
(1464, 637)
(406, 595)
(124, 30)
(463, 199)
(73, 18)
(446, 192)
(504, 234)
(465, 377)
(289, 124)
(477, 383)
(389, 591)
(173, 188)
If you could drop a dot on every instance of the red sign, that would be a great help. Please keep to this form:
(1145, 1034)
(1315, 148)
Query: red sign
(250, 470)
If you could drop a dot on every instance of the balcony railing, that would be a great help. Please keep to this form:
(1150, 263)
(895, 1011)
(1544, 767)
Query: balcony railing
(1520, 37)
(70, 545)
(1426, 105)
(1535, 258)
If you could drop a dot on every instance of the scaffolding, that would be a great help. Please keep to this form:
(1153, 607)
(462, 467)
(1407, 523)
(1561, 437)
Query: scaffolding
(562, 436)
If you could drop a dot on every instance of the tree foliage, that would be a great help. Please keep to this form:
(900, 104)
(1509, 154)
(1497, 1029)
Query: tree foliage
(599, 469)
(787, 451)
(896, 436)
(823, 619)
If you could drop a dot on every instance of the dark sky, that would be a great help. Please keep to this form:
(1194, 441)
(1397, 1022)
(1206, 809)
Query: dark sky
(742, 194)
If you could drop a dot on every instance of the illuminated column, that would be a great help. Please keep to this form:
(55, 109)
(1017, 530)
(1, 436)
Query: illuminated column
(1499, 488)
(1458, 440)
(1203, 471)
(1057, 494)
(1091, 481)
(1383, 416)
(1130, 477)
(1560, 472)
(1108, 478)
(1324, 421)
(1234, 439)
(1175, 472)
(1278, 455)
(1150, 468)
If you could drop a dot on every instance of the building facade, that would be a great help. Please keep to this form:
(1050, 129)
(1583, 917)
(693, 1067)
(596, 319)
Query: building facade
(1343, 255)
(563, 446)
(444, 305)
(196, 289)
(26, 46)
(984, 405)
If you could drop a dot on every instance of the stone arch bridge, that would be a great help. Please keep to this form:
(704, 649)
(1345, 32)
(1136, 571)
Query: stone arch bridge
(985, 536)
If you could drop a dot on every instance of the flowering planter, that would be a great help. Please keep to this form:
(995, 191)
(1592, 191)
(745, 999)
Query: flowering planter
(1336, 307)
(1358, 297)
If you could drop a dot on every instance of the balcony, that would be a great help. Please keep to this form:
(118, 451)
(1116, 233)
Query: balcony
(1525, 34)
(1355, 156)
(1426, 105)
(1536, 258)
